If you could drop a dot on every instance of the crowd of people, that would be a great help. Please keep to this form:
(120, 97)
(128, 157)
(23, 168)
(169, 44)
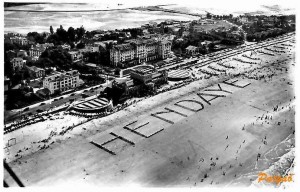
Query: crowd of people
(266, 53)
(275, 50)
(212, 73)
(88, 115)
(226, 65)
(20, 124)
(249, 57)
(279, 47)
(217, 69)
(244, 61)
(265, 72)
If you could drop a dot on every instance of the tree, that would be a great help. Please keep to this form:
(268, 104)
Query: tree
(89, 35)
(234, 28)
(80, 45)
(80, 32)
(72, 45)
(36, 37)
(53, 39)
(62, 34)
(8, 71)
(71, 34)
(208, 15)
(53, 57)
(211, 47)
(51, 30)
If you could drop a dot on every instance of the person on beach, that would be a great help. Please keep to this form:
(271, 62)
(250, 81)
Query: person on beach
(226, 147)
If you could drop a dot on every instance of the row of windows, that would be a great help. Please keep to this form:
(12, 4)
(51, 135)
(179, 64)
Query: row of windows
(64, 82)
(66, 85)
(16, 64)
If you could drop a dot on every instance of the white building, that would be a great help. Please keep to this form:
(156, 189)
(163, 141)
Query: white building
(65, 46)
(38, 49)
(243, 19)
(92, 47)
(76, 55)
(191, 50)
(17, 63)
(19, 40)
(136, 51)
(62, 82)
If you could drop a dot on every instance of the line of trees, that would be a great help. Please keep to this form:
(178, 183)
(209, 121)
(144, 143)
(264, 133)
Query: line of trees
(60, 36)
(69, 36)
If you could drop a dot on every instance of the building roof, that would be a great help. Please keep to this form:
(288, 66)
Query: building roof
(206, 42)
(43, 92)
(35, 69)
(41, 49)
(151, 39)
(61, 75)
(16, 37)
(16, 59)
(191, 48)
(91, 65)
(142, 41)
(123, 47)
(10, 51)
(42, 46)
(64, 46)
(21, 51)
(73, 52)
(99, 43)
(82, 50)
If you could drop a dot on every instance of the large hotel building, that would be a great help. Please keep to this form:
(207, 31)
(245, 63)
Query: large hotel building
(136, 51)
(62, 82)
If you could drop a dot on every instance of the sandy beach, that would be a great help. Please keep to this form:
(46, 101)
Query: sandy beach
(201, 134)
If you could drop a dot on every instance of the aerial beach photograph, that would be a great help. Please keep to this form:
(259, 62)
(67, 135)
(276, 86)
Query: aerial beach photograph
(152, 94)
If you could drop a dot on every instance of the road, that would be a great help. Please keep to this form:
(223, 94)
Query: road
(201, 61)
(217, 56)
(58, 101)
